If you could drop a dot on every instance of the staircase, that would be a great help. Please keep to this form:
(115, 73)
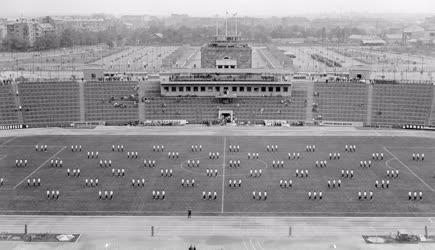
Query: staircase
(141, 106)
(17, 100)
(369, 105)
(307, 86)
(82, 101)
(431, 118)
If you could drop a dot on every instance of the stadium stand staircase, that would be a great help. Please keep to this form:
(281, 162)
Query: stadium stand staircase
(369, 104)
(310, 100)
(82, 101)
(17, 100)
(431, 119)
(306, 87)
(141, 108)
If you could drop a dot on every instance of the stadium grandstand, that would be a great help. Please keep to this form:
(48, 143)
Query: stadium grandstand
(218, 94)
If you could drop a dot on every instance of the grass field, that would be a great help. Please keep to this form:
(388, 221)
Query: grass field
(16, 197)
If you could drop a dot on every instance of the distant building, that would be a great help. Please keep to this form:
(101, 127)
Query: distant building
(24, 29)
(82, 23)
(394, 38)
(366, 40)
(373, 42)
(412, 32)
(288, 41)
(28, 30)
(226, 52)
(136, 21)
(3, 29)
(359, 72)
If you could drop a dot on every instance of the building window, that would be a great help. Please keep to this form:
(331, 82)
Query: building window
(218, 89)
(285, 89)
(278, 89)
(234, 89)
(270, 89)
(173, 89)
(166, 89)
(242, 89)
(256, 89)
(263, 89)
(181, 89)
(202, 89)
(195, 89)
(249, 89)
(210, 89)
(188, 89)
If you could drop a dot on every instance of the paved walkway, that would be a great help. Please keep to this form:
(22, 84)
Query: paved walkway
(221, 131)
(215, 232)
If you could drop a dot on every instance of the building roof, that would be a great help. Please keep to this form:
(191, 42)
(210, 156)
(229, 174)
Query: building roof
(413, 28)
(363, 37)
(157, 35)
(373, 41)
(228, 71)
(393, 36)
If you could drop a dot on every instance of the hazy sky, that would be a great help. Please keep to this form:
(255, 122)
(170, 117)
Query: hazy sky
(14, 8)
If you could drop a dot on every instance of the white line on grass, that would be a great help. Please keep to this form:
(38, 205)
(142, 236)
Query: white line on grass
(45, 162)
(223, 173)
(6, 142)
(412, 172)
(244, 244)
(252, 244)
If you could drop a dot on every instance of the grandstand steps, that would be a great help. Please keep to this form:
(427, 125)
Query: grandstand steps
(141, 106)
(17, 100)
(82, 101)
(310, 100)
(306, 87)
(369, 104)
(431, 118)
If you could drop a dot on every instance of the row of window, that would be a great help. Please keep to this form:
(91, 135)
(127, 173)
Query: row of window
(218, 89)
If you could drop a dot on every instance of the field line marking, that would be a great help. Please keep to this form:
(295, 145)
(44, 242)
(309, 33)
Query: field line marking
(259, 245)
(6, 142)
(412, 172)
(78, 238)
(252, 244)
(244, 244)
(40, 166)
(223, 173)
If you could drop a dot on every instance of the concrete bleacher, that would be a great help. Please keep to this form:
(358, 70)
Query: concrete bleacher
(100, 99)
(47, 104)
(60, 104)
(245, 109)
(401, 104)
(8, 113)
(341, 101)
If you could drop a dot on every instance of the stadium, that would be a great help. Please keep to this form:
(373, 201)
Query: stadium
(120, 140)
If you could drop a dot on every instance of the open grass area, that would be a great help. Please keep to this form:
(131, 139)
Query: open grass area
(76, 198)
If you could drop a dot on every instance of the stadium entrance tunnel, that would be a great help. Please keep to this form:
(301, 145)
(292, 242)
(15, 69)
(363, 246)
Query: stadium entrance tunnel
(226, 115)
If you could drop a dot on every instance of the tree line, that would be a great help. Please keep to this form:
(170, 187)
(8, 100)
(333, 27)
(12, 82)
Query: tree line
(120, 35)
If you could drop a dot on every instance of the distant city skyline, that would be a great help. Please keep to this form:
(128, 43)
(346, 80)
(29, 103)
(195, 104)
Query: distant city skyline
(29, 8)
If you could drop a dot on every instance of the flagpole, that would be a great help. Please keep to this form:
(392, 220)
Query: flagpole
(226, 25)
